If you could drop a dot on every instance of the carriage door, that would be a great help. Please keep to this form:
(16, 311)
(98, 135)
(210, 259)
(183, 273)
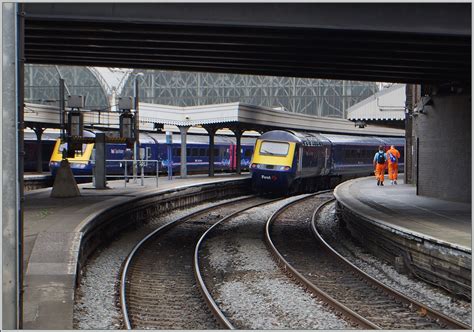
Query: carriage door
(300, 160)
(148, 154)
(326, 158)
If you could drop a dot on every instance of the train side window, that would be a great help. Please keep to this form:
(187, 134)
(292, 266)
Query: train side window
(148, 152)
(178, 151)
(188, 151)
(216, 151)
(195, 152)
(202, 152)
(248, 153)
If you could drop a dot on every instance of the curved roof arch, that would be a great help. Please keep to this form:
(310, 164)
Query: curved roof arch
(318, 97)
(42, 85)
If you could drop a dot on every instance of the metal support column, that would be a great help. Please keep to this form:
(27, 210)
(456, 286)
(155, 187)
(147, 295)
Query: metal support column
(211, 131)
(412, 97)
(238, 149)
(184, 170)
(409, 107)
(100, 173)
(62, 109)
(12, 164)
(136, 146)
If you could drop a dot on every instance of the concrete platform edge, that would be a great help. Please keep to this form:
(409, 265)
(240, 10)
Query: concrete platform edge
(444, 264)
(55, 262)
(393, 228)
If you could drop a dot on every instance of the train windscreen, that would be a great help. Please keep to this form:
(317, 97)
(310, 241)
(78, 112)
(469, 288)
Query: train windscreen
(274, 148)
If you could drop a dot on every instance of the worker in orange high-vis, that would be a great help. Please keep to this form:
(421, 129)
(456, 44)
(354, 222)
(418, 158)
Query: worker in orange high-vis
(380, 161)
(392, 158)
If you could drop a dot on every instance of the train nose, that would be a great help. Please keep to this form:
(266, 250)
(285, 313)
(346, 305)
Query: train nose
(270, 181)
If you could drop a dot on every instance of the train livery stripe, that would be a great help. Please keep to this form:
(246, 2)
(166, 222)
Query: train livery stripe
(79, 159)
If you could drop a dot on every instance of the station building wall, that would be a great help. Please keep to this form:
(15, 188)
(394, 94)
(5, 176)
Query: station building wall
(443, 132)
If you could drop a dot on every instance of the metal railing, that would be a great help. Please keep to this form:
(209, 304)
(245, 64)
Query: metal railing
(139, 165)
(127, 165)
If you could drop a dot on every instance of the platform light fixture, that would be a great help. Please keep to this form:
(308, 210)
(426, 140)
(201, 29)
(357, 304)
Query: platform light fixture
(425, 101)
(75, 123)
(127, 123)
(75, 116)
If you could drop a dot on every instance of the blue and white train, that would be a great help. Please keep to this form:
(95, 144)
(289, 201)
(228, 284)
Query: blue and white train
(289, 161)
(155, 148)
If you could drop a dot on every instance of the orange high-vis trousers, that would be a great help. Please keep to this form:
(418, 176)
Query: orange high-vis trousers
(393, 171)
(380, 172)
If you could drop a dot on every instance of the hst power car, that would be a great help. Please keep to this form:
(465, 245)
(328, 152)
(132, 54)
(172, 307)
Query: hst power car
(289, 161)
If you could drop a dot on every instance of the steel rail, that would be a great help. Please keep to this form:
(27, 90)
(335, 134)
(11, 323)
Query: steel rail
(197, 272)
(163, 228)
(432, 313)
(283, 263)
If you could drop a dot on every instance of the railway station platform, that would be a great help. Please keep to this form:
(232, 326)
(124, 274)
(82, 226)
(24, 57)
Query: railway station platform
(423, 236)
(34, 180)
(60, 232)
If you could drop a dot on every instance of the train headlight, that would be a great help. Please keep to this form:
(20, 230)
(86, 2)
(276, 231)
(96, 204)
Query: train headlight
(253, 165)
(283, 168)
(78, 166)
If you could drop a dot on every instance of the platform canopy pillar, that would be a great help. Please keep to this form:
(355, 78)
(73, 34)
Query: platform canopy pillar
(100, 175)
(212, 132)
(238, 148)
(184, 170)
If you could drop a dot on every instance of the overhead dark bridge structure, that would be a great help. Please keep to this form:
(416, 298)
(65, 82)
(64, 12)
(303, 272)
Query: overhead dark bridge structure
(394, 42)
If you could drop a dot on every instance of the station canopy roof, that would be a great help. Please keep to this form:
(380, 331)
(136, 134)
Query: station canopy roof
(251, 117)
(387, 105)
(230, 115)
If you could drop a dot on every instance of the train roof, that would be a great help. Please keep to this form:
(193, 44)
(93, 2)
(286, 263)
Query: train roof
(336, 139)
(281, 135)
(200, 139)
(31, 136)
(397, 141)
(149, 138)
(353, 140)
(306, 138)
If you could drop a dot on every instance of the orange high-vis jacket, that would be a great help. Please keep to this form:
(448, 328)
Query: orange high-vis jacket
(393, 152)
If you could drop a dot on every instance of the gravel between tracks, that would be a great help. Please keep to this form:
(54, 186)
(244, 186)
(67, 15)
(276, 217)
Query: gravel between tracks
(328, 226)
(96, 303)
(250, 288)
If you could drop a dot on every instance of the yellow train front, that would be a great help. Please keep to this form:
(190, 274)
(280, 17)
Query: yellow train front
(277, 163)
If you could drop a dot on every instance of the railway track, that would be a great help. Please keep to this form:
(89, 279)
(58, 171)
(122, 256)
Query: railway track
(306, 257)
(158, 288)
(235, 270)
